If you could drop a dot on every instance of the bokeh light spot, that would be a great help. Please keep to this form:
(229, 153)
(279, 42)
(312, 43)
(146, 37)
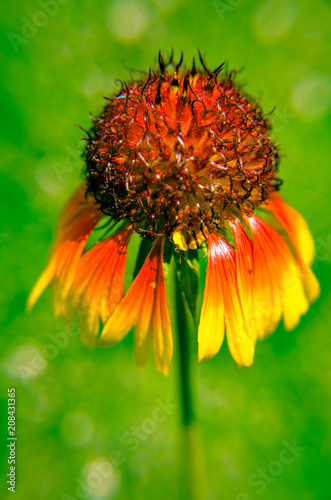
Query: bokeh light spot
(24, 363)
(275, 18)
(95, 80)
(100, 478)
(47, 178)
(311, 97)
(127, 20)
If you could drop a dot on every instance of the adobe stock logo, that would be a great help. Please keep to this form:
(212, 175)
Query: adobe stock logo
(31, 27)
(260, 480)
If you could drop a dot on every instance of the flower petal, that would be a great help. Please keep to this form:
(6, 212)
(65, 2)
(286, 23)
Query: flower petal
(75, 225)
(274, 260)
(244, 266)
(300, 236)
(128, 312)
(162, 336)
(238, 334)
(311, 285)
(98, 285)
(237, 331)
(145, 307)
(211, 325)
(296, 227)
(267, 305)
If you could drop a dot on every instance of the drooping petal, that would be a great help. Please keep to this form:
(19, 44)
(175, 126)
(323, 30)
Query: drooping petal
(296, 227)
(143, 326)
(145, 308)
(78, 219)
(244, 266)
(273, 261)
(162, 337)
(266, 300)
(310, 283)
(223, 268)
(300, 236)
(240, 343)
(211, 325)
(98, 285)
(128, 312)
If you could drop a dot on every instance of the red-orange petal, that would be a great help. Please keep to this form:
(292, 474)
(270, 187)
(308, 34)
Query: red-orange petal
(78, 219)
(295, 226)
(212, 321)
(266, 300)
(161, 327)
(244, 266)
(144, 307)
(277, 284)
(223, 276)
(300, 236)
(98, 284)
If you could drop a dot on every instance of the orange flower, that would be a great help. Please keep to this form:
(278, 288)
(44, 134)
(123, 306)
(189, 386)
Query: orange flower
(184, 159)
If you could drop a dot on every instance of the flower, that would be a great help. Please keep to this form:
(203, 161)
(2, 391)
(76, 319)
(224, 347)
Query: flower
(185, 159)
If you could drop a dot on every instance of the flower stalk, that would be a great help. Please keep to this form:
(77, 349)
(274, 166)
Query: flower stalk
(191, 447)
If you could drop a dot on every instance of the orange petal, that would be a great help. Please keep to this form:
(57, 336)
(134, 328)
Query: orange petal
(237, 331)
(98, 285)
(244, 266)
(144, 307)
(211, 325)
(267, 304)
(162, 336)
(300, 236)
(274, 262)
(296, 227)
(78, 219)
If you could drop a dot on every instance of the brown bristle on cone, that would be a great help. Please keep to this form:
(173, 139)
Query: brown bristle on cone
(180, 149)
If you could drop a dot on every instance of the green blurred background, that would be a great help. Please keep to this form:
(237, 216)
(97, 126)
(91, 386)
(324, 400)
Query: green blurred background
(76, 409)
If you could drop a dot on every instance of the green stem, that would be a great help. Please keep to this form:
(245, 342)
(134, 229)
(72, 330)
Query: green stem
(184, 359)
(192, 455)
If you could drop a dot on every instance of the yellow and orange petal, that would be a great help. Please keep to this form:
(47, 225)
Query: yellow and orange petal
(98, 285)
(211, 326)
(78, 219)
(145, 308)
(277, 285)
(221, 287)
(244, 266)
(301, 238)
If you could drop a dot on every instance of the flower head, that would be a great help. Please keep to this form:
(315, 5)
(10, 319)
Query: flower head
(182, 156)
(174, 152)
